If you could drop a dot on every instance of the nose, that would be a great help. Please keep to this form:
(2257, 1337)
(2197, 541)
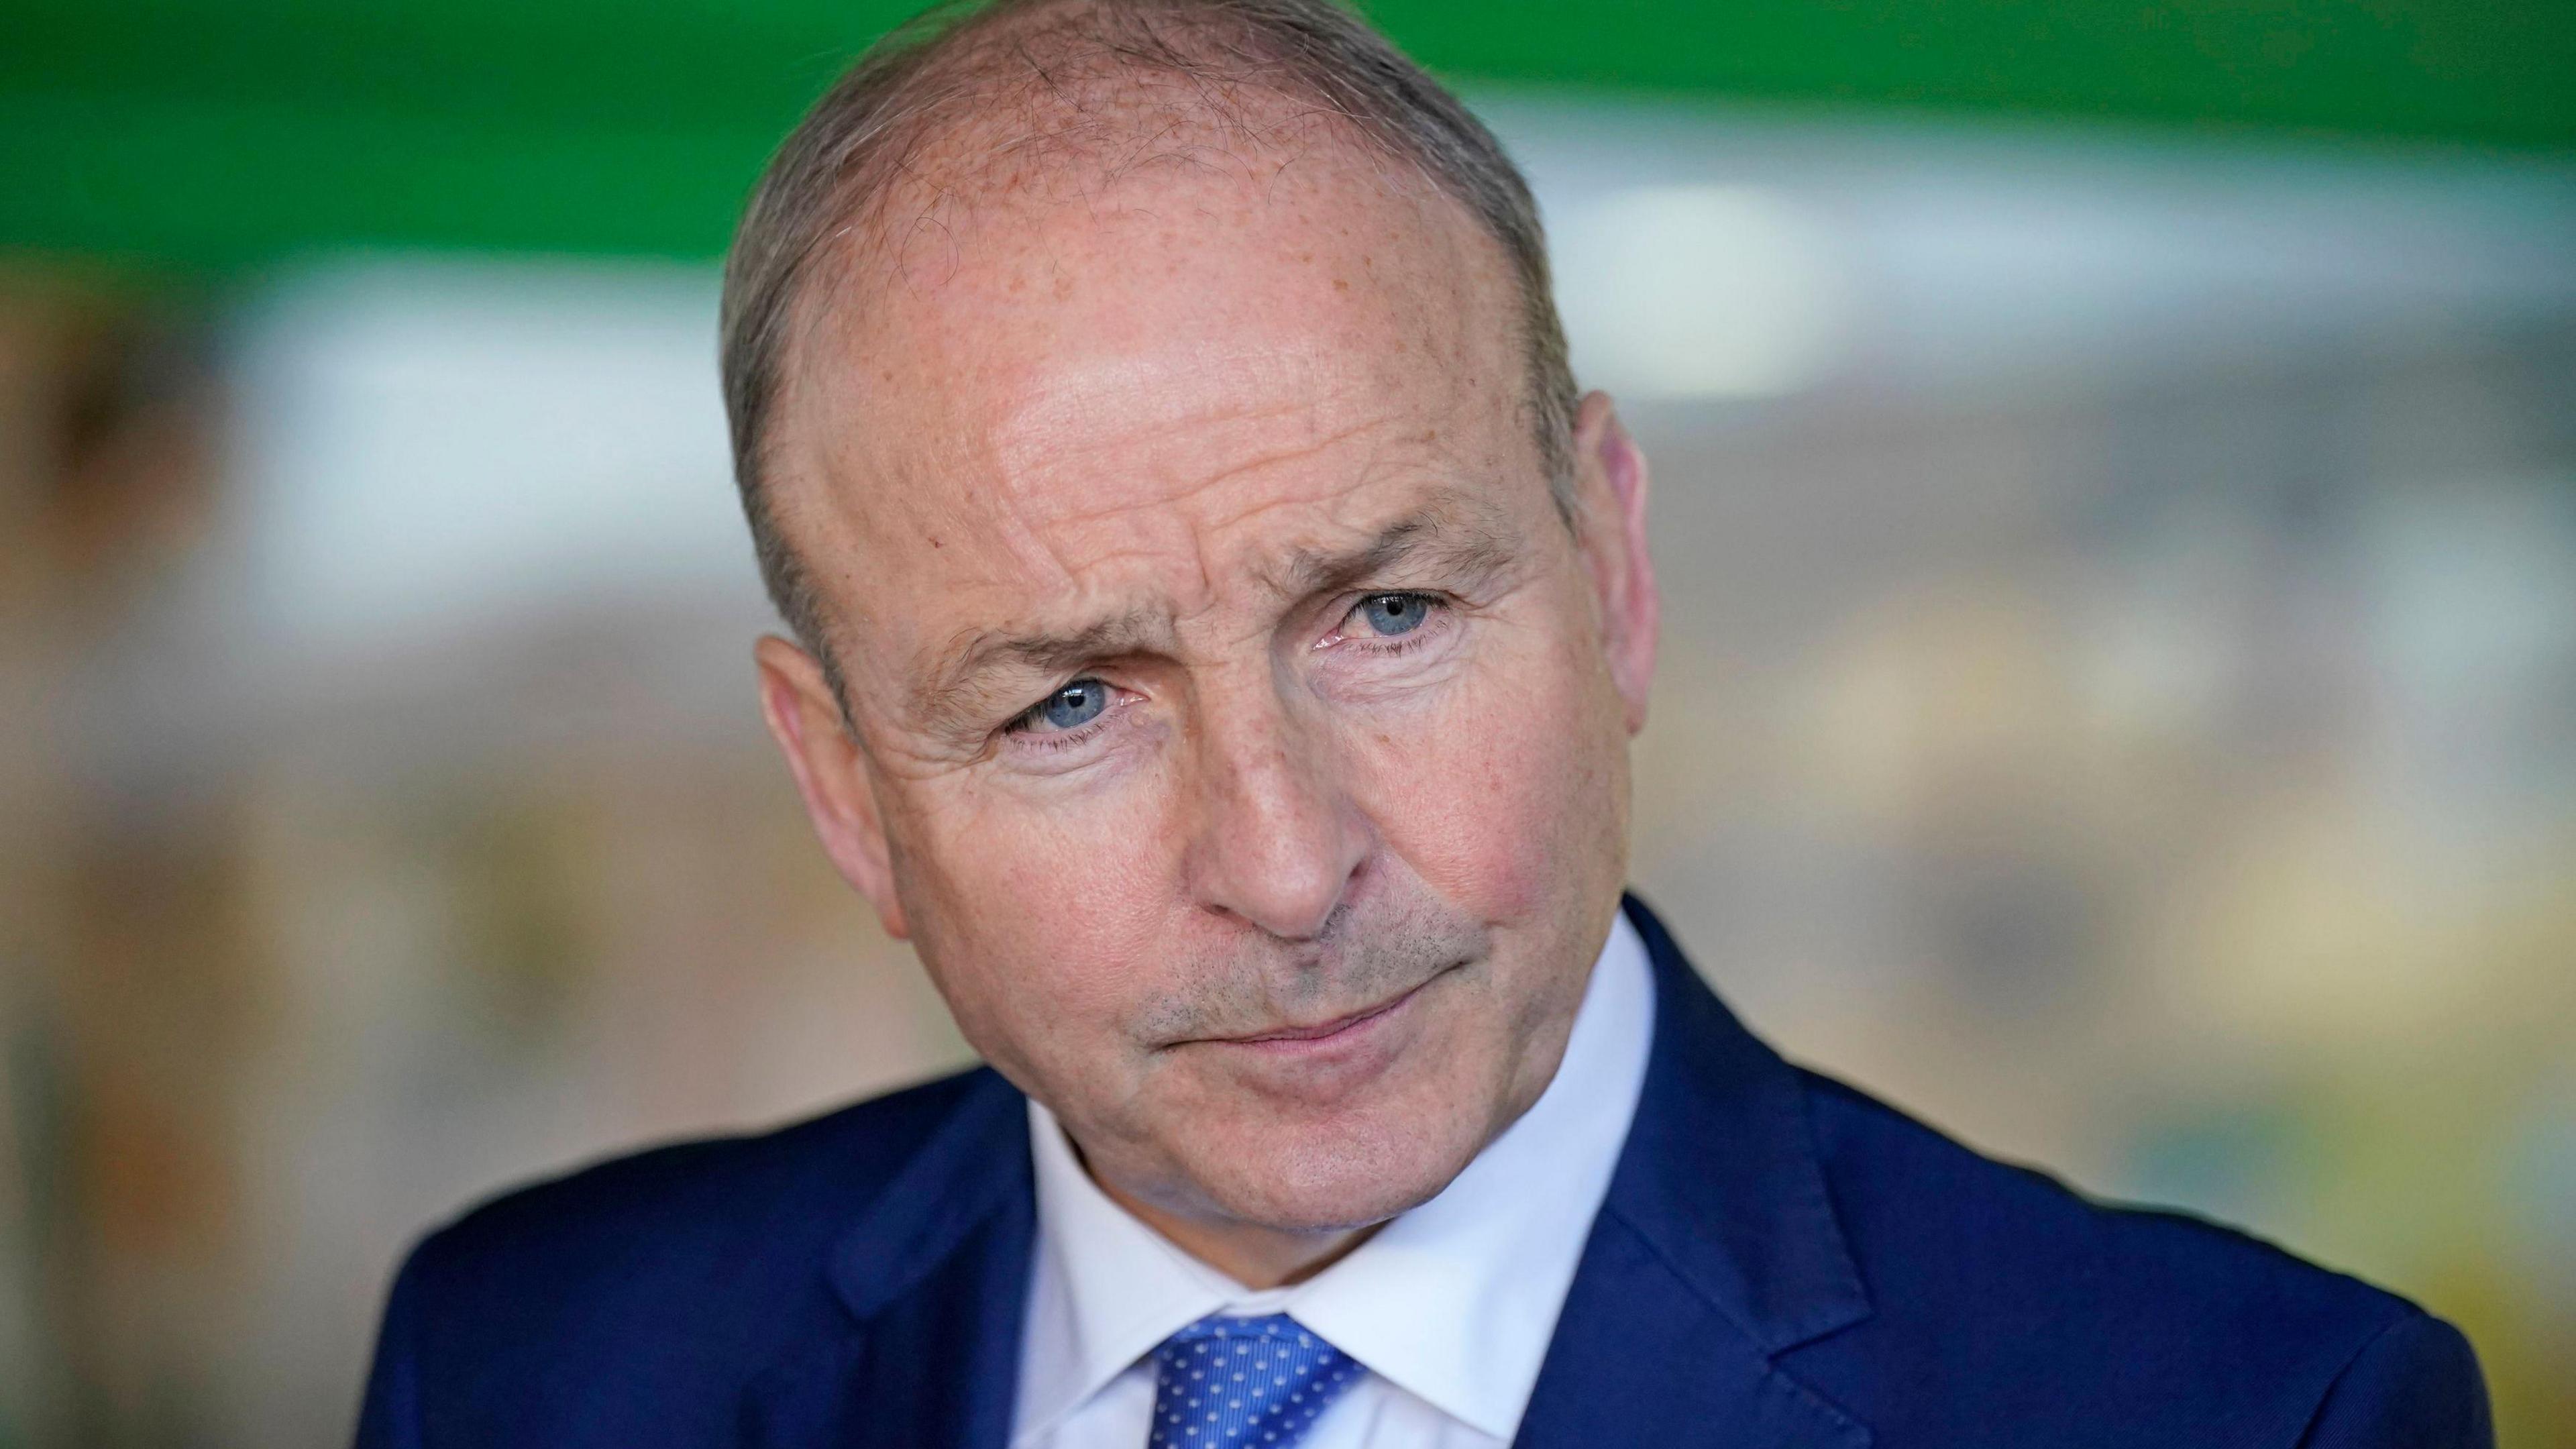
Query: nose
(1277, 840)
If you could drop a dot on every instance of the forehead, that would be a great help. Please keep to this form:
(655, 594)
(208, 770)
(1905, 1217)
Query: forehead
(1008, 394)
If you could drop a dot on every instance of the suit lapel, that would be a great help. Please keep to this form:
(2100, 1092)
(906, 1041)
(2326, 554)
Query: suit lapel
(935, 1278)
(1716, 1251)
(1640, 1357)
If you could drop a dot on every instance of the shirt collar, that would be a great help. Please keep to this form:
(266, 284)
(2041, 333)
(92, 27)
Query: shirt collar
(1454, 1301)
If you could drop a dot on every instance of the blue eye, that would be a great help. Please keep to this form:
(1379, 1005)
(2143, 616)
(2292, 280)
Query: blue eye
(1391, 614)
(1072, 707)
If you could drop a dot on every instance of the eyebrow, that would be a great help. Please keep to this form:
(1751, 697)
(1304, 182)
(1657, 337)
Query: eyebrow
(951, 696)
(1461, 539)
(1457, 537)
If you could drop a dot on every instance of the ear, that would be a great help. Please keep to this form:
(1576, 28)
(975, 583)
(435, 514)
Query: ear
(1610, 496)
(831, 772)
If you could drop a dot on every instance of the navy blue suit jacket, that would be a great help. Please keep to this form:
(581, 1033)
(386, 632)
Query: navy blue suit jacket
(1781, 1261)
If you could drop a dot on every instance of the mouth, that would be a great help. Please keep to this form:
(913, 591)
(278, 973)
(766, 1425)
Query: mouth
(1351, 1024)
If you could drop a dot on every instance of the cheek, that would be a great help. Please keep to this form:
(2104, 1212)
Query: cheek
(1516, 778)
(1035, 919)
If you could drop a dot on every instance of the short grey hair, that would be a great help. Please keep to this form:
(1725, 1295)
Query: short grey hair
(939, 72)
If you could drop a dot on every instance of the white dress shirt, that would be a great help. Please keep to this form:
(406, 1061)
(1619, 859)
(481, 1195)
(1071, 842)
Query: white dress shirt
(1449, 1307)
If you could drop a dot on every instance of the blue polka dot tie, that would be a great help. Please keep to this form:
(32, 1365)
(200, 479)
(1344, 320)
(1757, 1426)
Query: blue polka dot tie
(1244, 1383)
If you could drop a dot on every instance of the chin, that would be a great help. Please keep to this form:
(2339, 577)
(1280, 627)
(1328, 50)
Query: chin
(1317, 1178)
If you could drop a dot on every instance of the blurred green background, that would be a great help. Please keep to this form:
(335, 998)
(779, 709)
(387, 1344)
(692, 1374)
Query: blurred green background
(198, 132)
(2116, 469)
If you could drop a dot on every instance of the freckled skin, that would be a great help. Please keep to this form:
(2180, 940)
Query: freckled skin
(1141, 406)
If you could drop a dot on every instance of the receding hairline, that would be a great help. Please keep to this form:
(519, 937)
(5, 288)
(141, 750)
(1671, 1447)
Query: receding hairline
(959, 184)
(916, 230)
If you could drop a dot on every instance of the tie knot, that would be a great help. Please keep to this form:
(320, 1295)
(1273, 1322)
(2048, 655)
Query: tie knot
(1243, 1383)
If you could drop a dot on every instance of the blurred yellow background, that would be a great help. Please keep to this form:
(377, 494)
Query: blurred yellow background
(2119, 697)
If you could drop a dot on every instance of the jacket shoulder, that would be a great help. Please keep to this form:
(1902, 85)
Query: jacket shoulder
(808, 1174)
(2077, 1318)
(624, 1302)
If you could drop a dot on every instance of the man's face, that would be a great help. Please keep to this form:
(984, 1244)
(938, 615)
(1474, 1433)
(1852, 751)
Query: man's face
(1240, 729)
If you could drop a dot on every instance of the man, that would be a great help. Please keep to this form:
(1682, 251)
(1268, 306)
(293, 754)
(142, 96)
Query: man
(1220, 629)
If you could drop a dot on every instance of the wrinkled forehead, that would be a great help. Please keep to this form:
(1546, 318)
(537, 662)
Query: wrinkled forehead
(1008, 385)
